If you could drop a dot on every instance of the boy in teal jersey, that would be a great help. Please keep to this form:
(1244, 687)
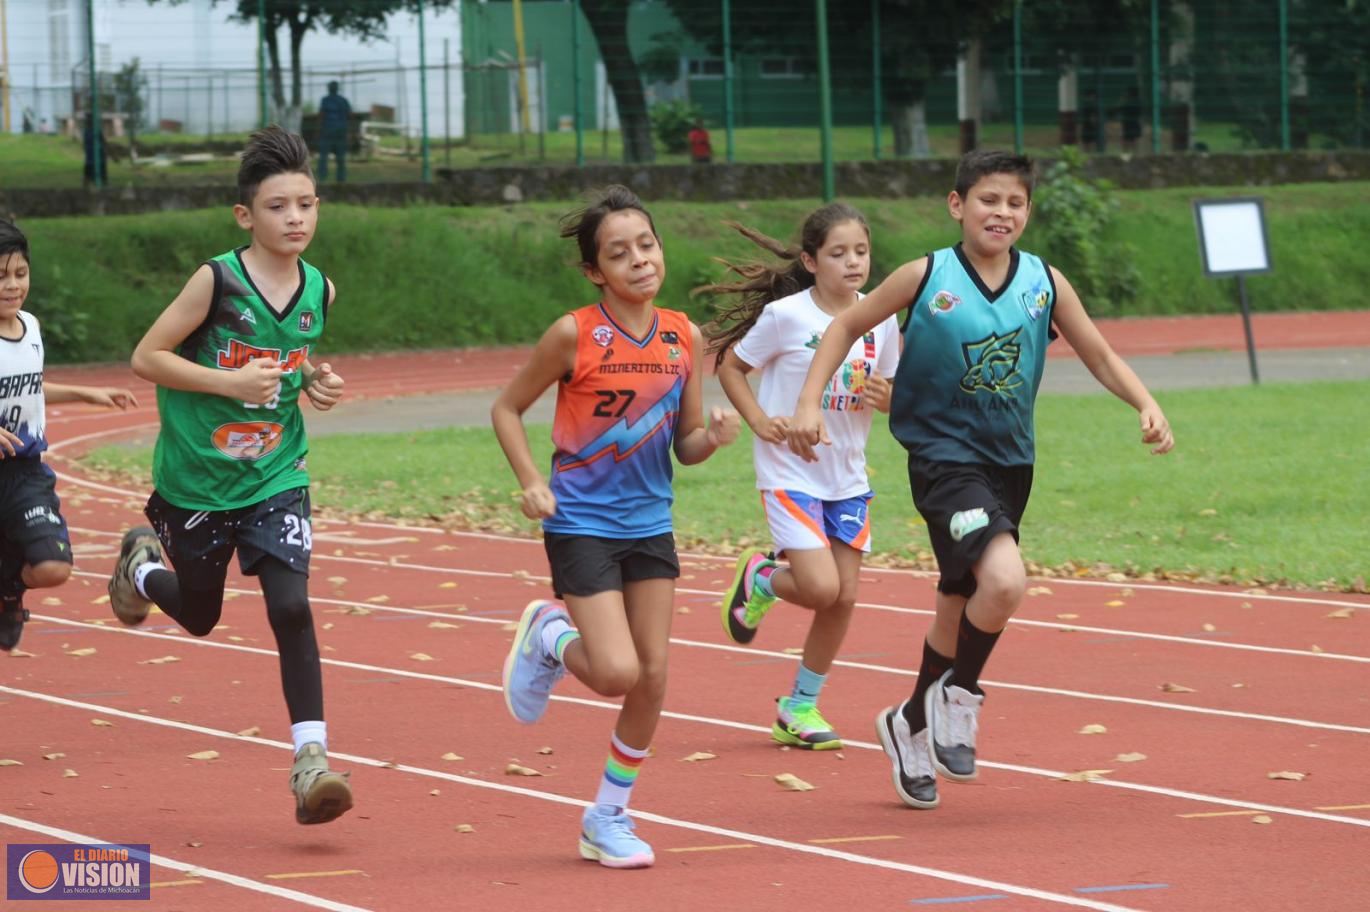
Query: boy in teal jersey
(230, 357)
(975, 337)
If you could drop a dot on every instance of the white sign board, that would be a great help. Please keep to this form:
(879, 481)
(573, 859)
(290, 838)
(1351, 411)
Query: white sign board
(1232, 238)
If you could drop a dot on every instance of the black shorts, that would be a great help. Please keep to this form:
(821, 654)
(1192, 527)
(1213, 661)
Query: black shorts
(200, 542)
(32, 529)
(586, 565)
(965, 506)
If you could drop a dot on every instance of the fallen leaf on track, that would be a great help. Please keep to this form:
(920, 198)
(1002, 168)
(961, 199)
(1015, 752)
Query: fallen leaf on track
(443, 625)
(164, 660)
(794, 650)
(1209, 628)
(1094, 728)
(57, 756)
(698, 756)
(1342, 613)
(337, 580)
(203, 755)
(80, 653)
(6, 761)
(1085, 775)
(464, 828)
(451, 756)
(1130, 758)
(252, 732)
(1067, 617)
(545, 751)
(379, 599)
(70, 774)
(102, 723)
(1287, 774)
(793, 783)
(1039, 590)
(1116, 603)
(1262, 818)
(421, 657)
(1172, 688)
(447, 585)
(514, 769)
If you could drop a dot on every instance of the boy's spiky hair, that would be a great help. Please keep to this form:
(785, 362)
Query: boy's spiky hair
(13, 241)
(270, 151)
(980, 163)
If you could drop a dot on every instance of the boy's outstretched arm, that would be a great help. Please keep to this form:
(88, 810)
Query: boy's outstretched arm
(553, 358)
(1110, 370)
(893, 295)
(108, 396)
(694, 441)
(155, 358)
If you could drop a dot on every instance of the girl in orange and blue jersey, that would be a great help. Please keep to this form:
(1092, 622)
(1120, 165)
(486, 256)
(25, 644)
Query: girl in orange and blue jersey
(628, 395)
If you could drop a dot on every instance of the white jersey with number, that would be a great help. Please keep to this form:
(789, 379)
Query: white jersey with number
(21, 387)
(781, 347)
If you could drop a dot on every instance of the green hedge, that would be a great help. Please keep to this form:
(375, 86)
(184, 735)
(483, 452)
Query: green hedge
(430, 277)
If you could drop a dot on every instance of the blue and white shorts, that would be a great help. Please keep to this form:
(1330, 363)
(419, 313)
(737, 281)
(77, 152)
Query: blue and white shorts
(801, 522)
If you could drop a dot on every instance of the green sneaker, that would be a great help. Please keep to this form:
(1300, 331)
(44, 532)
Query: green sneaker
(321, 795)
(743, 604)
(802, 725)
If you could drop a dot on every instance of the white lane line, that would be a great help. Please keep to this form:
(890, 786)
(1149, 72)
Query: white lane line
(804, 848)
(843, 663)
(318, 902)
(873, 606)
(919, 574)
(703, 720)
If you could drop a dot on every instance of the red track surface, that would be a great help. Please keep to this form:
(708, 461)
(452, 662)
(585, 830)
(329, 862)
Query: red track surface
(1177, 827)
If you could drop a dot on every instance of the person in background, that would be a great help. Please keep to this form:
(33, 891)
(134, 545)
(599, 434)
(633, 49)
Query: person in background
(334, 116)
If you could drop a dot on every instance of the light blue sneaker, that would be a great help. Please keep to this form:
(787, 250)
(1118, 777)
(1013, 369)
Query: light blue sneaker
(529, 671)
(606, 836)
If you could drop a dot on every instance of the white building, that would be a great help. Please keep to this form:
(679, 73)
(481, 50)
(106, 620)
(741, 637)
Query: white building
(201, 68)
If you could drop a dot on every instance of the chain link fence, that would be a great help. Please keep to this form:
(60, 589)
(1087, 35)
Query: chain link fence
(465, 84)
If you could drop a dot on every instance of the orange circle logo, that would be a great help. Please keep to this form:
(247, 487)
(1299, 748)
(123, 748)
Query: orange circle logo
(38, 871)
(248, 439)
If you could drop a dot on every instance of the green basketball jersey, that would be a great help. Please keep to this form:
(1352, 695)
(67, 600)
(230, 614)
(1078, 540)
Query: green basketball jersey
(215, 453)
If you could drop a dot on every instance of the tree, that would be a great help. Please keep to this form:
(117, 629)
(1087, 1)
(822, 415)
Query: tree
(129, 85)
(363, 19)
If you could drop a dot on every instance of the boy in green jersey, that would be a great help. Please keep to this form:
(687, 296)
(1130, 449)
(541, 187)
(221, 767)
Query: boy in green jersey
(230, 357)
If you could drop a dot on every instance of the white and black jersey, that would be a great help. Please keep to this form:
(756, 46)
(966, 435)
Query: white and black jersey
(21, 388)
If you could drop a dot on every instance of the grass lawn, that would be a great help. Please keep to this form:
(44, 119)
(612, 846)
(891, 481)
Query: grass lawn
(1268, 485)
(31, 161)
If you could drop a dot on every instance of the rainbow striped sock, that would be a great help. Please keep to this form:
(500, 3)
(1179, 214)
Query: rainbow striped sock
(620, 773)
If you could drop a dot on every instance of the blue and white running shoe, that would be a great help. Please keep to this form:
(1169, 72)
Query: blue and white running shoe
(529, 670)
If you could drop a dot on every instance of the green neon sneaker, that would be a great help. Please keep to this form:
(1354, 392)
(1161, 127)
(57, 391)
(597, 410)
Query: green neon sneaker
(744, 605)
(802, 725)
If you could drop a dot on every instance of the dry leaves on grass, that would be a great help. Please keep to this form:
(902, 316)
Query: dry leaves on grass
(1291, 775)
(1171, 687)
(1094, 728)
(792, 783)
(697, 756)
(516, 769)
(1085, 775)
(203, 755)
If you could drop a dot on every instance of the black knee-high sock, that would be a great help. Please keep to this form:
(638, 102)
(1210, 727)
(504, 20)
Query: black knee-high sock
(934, 666)
(194, 604)
(287, 608)
(973, 647)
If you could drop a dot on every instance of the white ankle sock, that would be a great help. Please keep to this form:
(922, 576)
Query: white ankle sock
(302, 733)
(140, 574)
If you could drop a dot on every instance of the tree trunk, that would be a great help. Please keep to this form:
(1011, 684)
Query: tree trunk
(910, 123)
(609, 21)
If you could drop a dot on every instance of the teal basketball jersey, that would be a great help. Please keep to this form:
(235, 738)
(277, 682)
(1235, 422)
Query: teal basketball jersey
(972, 362)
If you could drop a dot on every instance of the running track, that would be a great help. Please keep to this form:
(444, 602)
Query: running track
(1275, 683)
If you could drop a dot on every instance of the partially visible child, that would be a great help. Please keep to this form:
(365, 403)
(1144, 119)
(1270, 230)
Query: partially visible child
(979, 317)
(628, 395)
(230, 357)
(35, 549)
(817, 512)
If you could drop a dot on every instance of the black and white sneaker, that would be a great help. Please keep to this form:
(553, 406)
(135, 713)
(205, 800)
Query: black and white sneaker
(909, 757)
(139, 546)
(953, 715)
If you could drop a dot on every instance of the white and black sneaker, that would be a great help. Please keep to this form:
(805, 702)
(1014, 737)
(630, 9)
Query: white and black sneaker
(953, 715)
(138, 547)
(909, 756)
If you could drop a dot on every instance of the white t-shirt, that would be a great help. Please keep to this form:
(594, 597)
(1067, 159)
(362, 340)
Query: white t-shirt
(781, 345)
(22, 410)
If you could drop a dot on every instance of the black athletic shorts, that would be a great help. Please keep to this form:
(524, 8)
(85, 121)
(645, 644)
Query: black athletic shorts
(586, 565)
(32, 529)
(200, 542)
(965, 506)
